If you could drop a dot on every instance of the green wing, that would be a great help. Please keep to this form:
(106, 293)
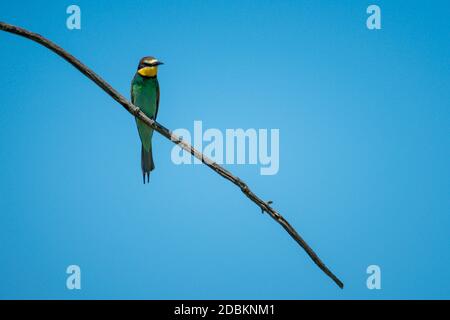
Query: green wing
(145, 95)
(157, 100)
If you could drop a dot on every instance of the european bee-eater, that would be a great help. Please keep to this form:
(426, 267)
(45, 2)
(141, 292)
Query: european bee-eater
(145, 96)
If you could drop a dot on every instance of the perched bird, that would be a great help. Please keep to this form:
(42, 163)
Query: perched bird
(145, 96)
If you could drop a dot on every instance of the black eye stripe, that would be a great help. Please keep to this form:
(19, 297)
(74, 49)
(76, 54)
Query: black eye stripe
(148, 64)
(143, 65)
(153, 63)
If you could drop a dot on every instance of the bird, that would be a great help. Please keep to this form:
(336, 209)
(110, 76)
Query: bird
(145, 96)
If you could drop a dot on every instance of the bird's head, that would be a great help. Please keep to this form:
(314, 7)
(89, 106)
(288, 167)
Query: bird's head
(148, 67)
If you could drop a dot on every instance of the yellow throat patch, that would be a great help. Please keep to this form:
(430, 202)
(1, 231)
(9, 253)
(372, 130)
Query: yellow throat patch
(148, 71)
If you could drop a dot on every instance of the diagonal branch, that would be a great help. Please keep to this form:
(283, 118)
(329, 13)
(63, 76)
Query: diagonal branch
(135, 111)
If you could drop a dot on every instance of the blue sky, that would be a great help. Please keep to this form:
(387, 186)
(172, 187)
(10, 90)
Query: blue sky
(364, 148)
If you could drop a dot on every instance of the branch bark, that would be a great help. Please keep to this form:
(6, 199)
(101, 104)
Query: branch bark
(135, 111)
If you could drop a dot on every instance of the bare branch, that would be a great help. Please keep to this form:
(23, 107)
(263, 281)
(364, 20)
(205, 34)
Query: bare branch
(135, 111)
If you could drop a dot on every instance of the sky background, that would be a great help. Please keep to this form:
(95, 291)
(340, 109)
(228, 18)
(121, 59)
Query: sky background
(364, 151)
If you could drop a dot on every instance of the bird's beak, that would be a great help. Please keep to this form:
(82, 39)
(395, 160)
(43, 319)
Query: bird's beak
(157, 63)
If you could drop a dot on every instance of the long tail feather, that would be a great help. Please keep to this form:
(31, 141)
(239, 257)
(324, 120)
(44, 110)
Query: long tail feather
(147, 164)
